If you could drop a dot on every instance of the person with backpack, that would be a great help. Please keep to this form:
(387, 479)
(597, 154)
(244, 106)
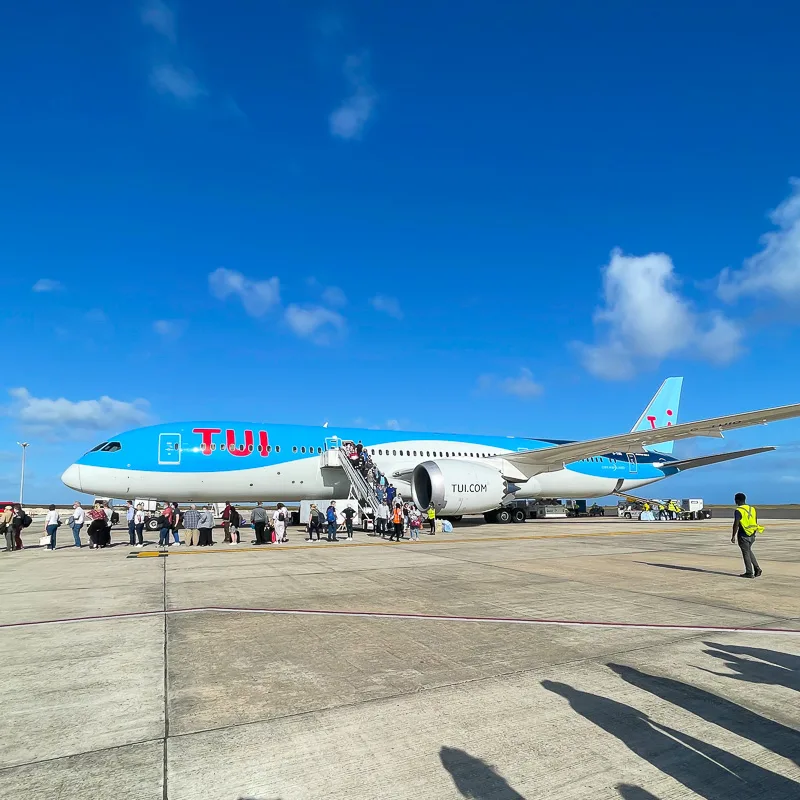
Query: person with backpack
(280, 521)
(330, 516)
(226, 522)
(390, 495)
(20, 520)
(5, 528)
(51, 525)
(235, 520)
(397, 523)
(259, 521)
(745, 528)
(348, 514)
(97, 527)
(414, 524)
(164, 525)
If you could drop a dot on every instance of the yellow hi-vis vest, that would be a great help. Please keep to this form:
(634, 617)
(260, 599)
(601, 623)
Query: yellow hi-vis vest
(749, 521)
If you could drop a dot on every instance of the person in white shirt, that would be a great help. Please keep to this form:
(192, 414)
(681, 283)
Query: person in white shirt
(138, 524)
(78, 518)
(382, 518)
(51, 526)
(280, 521)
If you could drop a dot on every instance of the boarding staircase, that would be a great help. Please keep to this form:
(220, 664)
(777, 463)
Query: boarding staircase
(359, 486)
(360, 489)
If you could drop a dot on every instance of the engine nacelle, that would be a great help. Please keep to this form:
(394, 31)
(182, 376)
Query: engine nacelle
(457, 487)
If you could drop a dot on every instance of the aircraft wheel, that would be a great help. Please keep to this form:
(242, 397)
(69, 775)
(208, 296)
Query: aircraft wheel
(151, 524)
(503, 516)
(519, 515)
(489, 516)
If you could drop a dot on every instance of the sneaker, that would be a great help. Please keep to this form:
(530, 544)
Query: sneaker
(758, 573)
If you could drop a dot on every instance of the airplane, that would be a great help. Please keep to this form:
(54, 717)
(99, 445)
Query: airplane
(217, 461)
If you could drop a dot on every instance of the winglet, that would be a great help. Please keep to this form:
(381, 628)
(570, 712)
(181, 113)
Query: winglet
(661, 412)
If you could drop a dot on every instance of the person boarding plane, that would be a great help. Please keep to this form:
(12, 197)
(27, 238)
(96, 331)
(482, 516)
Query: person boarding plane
(454, 474)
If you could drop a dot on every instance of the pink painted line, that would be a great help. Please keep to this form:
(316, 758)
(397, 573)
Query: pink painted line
(408, 616)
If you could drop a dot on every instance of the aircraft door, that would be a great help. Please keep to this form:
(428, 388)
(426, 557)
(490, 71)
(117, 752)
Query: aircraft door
(169, 448)
(633, 464)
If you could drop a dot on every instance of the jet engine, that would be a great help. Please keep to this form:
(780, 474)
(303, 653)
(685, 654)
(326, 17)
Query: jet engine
(457, 487)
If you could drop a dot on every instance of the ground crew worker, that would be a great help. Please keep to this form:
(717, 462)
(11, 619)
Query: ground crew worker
(745, 528)
(432, 520)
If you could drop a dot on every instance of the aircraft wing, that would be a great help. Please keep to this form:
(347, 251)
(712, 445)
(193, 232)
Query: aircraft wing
(554, 458)
(703, 461)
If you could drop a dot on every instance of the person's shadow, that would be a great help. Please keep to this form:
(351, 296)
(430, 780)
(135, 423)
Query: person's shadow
(702, 768)
(628, 791)
(772, 668)
(475, 778)
(778, 738)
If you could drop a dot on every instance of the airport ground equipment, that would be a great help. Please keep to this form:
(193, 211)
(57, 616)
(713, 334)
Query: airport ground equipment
(694, 508)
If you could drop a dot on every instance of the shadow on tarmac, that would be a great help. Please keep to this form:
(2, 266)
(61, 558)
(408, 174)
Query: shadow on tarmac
(773, 667)
(474, 778)
(629, 792)
(686, 569)
(704, 769)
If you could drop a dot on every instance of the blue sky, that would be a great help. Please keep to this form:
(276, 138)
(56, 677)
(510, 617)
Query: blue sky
(503, 220)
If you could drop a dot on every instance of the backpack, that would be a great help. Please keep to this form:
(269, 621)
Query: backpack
(331, 514)
(281, 517)
(114, 518)
(26, 520)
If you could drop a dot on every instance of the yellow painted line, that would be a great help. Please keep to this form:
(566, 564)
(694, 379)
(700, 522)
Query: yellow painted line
(207, 551)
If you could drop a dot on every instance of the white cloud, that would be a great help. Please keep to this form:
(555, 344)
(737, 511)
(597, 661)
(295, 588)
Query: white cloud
(387, 305)
(349, 119)
(48, 414)
(47, 285)
(776, 268)
(522, 385)
(645, 319)
(257, 297)
(96, 315)
(334, 296)
(392, 425)
(316, 323)
(177, 81)
(169, 328)
(161, 18)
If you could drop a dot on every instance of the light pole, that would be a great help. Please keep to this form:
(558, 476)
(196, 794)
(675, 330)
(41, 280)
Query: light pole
(24, 446)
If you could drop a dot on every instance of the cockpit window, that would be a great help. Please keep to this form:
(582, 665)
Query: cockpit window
(99, 447)
(112, 447)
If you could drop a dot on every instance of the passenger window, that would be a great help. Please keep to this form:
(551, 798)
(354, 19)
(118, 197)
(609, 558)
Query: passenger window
(428, 453)
(222, 447)
(394, 452)
(447, 454)
(380, 452)
(302, 449)
(249, 448)
(213, 446)
(415, 452)
(294, 449)
(277, 448)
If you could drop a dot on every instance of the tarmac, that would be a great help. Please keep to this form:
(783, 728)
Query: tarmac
(577, 659)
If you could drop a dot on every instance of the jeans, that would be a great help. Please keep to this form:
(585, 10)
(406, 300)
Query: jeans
(76, 534)
(175, 536)
(51, 532)
(750, 560)
(348, 524)
(380, 526)
(140, 532)
(163, 537)
(331, 531)
(132, 531)
(414, 533)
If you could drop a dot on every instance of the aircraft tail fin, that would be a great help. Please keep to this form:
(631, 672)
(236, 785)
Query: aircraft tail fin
(661, 412)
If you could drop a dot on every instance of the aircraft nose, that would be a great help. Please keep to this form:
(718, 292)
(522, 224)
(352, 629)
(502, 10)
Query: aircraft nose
(72, 477)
